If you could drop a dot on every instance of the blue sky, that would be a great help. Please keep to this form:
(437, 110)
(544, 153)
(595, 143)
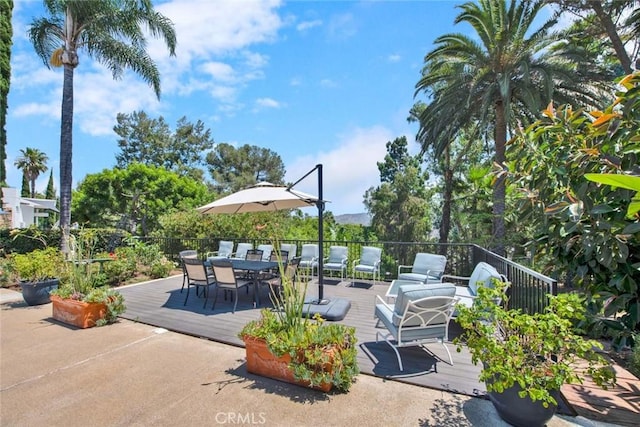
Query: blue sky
(317, 82)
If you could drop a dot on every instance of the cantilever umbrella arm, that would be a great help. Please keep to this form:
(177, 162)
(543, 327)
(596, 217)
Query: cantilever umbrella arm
(320, 206)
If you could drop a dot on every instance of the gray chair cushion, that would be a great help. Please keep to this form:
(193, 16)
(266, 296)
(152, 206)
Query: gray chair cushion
(408, 293)
(481, 276)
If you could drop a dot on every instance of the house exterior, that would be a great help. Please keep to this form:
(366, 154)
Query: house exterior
(23, 212)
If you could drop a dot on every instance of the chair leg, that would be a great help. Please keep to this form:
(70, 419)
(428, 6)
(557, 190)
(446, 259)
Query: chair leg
(206, 296)
(184, 280)
(215, 297)
(235, 302)
(446, 348)
(386, 338)
(187, 297)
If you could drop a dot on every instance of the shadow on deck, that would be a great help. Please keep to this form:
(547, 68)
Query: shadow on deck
(160, 303)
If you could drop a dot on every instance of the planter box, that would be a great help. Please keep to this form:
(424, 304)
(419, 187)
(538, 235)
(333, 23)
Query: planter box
(261, 361)
(77, 313)
(37, 293)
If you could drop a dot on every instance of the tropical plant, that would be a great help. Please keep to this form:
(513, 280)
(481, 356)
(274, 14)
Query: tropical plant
(508, 76)
(110, 31)
(584, 228)
(32, 162)
(538, 351)
(288, 330)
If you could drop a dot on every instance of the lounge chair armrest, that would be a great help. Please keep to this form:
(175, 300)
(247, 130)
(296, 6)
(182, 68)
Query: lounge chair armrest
(381, 301)
(400, 267)
(451, 276)
(355, 262)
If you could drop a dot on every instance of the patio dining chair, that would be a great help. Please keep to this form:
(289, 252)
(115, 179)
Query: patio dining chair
(290, 248)
(197, 276)
(420, 315)
(426, 267)
(225, 250)
(181, 256)
(241, 250)
(266, 251)
(308, 259)
(227, 281)
(337, 260)
(368, 263)
(275, 283)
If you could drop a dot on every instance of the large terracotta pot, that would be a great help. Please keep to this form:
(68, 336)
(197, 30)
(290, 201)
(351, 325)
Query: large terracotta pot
(78, 313)
(261, 361)
(36, 293)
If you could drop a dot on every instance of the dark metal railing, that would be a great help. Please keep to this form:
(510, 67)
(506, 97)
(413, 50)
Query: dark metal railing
(528, 288)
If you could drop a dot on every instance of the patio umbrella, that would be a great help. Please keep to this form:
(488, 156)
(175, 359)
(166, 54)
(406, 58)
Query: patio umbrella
(261, 197)
(264, 197)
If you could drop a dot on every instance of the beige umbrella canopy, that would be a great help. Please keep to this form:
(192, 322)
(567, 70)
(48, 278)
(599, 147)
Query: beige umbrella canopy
(261, 197)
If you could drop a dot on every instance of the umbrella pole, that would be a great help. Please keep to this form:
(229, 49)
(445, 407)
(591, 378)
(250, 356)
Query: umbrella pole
(320, 204)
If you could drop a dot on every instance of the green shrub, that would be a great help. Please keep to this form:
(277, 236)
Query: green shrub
(634, 366)
(161, 268)
(122, 267)
(38, 265)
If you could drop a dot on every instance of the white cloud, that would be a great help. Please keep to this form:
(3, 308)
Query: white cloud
(394, 58)
(328, 83)
(220, 71)
(349, 169)
(267, 103)
(307, 25)
(342, 26)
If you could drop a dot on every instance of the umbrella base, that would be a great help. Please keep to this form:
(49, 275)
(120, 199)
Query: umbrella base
(332, 309)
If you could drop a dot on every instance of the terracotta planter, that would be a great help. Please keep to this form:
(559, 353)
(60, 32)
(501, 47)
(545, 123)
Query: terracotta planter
(261, 361)
(78, 313)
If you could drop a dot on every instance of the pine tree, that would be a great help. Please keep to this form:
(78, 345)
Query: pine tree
(26, 191)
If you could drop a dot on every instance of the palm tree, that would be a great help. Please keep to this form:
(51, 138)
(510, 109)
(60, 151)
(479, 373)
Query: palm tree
(32, 162)
(110, 31)
(511, 73)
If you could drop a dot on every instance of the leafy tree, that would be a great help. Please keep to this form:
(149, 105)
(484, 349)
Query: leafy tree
(6, 31)
(582, 227)
(607, 12)
(510, 74)
(233, 169)
(399, 206)
(151, 142)
(134, 198)
(32, 162)
(110, 31)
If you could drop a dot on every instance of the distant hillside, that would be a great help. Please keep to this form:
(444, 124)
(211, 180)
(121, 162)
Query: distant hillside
(359, 218)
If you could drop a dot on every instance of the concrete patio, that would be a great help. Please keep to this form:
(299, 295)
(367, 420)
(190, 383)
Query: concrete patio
(135, 374)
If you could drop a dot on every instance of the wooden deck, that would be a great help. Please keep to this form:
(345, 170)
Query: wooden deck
(160, 303)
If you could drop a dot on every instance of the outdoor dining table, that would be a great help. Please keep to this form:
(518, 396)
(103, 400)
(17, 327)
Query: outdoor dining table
(254, 267)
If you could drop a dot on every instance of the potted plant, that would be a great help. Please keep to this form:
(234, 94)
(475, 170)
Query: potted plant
(527, 357)
(83, 299)
(287, 345)
(39, 272)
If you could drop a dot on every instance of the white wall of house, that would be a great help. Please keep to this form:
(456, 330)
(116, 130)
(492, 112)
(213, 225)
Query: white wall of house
(23, 212)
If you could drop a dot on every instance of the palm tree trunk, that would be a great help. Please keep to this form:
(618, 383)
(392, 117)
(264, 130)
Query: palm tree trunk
(610, 28)
(499, 186)
(66, 150)
(445, 224)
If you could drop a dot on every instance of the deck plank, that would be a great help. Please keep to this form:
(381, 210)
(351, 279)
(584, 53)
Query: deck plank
(160, 303)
